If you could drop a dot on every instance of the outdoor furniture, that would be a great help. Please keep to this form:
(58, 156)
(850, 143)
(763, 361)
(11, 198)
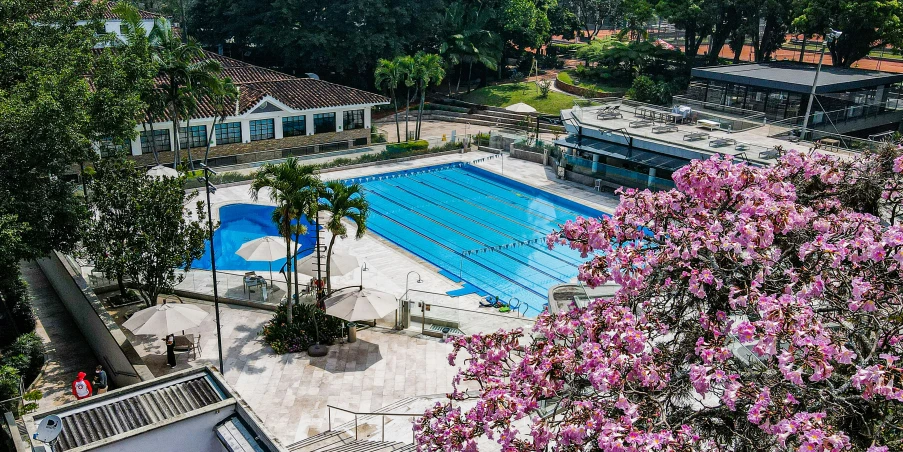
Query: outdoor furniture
(252, 281)
(770, 154)
(597, 185)
(611, 114)
(665, 128)
(696, 136)
(708, 124)
(722, 142)
(741, 147)
(829, 143)
(673, 117)
(641, 123)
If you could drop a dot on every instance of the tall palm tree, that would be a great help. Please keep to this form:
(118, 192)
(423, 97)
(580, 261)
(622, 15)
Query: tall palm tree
(428, 69)
(388, 74)
(342, 201)
(407, 66)
(293, 188)
(223, 97)
(469, 41)
(182, 70)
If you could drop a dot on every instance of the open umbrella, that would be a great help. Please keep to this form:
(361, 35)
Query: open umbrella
(339, 265)
(165, 319)
(161, 171)
(265, 249)
(361, 304)
(520, 107)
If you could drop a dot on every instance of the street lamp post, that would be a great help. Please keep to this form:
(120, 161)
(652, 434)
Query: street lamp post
(407, 282)
(317, 349)
(830, 37)
(219, 337)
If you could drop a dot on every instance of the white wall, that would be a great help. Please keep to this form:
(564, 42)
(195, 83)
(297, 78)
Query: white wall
(195, 434)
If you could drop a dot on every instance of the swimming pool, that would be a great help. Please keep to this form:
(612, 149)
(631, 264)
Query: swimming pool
(240, 223)
(478, 227)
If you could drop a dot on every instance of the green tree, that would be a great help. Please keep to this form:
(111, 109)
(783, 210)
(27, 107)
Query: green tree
(428, 70)
(293, 188)
(525, 24)
(695, 17)
(407, 65)
(223, 96)
(592, 13)
(156, 233)
(644, 89)
(866, 25)
(388, 75)
(342, 201)
(636, 16)
(184, 72)
(468, 40)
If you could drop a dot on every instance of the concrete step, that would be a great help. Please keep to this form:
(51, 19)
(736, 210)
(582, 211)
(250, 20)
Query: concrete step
(470, 119)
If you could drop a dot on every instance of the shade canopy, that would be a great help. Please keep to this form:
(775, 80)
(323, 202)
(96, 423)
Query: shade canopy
(340, 263)
(165, 319)
(361, 304)
(267, 249)
(161, 171)
(520, 107)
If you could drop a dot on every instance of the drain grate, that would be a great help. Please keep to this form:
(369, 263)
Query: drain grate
(451, 330)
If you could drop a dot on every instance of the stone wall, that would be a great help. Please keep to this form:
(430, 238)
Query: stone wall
(582, 92)
(259, 150)
(527, 155)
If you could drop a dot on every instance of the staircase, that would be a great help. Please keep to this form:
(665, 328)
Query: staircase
(492, 117)
(342, 437)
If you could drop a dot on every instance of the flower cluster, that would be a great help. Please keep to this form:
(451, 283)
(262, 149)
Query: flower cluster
(758, 308)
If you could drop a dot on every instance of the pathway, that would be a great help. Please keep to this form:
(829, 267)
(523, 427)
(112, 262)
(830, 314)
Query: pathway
(67, 351)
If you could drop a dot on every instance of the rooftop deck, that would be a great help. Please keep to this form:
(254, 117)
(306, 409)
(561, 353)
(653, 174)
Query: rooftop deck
(752, 144)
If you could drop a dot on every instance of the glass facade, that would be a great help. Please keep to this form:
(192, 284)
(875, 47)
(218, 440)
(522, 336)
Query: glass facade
(293, 126)
(353, 119)
(262, 129)
(198, 136)
(324, 122)
(160, 142)
(228, 133)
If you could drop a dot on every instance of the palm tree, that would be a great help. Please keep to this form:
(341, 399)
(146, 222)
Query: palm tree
(388, 73)
(407, 66)
(293, 188)
(342, 201)
(469, 41)
(427, 70)
(183, 69)
(223, 97)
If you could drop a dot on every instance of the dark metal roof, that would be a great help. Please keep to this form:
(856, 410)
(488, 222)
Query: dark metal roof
(119, 415)
(796, 77)
(619, 151)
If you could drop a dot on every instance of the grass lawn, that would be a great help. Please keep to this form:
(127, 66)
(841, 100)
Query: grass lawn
(571, 79)
(512, 93)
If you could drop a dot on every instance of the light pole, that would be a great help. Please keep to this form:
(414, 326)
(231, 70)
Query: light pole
(830, 37)
(317, 349)
(407, 281)
(210, 188)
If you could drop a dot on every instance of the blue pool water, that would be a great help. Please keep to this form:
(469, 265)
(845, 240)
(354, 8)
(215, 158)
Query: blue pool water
(240, 223)
(478, 227)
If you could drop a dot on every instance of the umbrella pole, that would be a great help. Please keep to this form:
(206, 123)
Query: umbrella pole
(271, 274)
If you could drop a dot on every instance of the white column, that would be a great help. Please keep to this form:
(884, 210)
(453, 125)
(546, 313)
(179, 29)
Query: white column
(651, 177)
(367, 118)
(309, 119)
(213, 136)
(277, 127)
(136, 144)
(338, 121)
(245, 132)
(595, 162)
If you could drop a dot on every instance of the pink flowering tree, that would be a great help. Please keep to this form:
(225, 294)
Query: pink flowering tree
(759, 309)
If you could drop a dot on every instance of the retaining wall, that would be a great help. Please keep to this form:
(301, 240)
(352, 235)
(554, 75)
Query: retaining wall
(108, 342)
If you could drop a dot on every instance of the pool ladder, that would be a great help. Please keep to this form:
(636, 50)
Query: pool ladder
(517, 307)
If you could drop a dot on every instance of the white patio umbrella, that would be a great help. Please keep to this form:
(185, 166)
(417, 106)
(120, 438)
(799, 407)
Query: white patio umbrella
(165, 319)
(361, 304)
(520, 107)
(265, 249)
(341, 264)
(161, 171)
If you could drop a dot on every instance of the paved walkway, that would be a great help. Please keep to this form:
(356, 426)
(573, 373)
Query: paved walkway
(290, 392)
(67, 351)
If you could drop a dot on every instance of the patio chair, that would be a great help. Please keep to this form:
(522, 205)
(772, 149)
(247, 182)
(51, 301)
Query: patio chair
(250, 279)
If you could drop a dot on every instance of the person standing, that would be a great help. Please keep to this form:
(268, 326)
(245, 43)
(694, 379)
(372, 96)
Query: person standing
(100, 380)
(81, 388)
(171, 350)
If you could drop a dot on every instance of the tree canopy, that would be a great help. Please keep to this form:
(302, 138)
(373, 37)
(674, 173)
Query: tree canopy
(757, 309)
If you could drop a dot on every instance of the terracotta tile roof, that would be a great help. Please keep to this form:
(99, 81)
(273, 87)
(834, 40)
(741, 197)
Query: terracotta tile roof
(254, 83)
(108, 14)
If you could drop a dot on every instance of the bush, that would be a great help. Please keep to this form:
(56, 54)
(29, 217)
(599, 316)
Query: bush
(408, 146)
(300, 335)
(131, 296)
(544, 87)
(14, 293)
(644, 89)
(9, 387)
(26, 355)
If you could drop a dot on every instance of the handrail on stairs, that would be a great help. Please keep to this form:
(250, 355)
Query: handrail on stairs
(364, 413)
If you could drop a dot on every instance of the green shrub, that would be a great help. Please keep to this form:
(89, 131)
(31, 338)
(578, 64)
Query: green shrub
(14, 293)
(644, 89)
(300, 335)
(26, 355)
(9, 387)
(408, 146)
(441, 107)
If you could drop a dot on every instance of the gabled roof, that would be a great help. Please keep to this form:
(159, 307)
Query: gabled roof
(116, 416)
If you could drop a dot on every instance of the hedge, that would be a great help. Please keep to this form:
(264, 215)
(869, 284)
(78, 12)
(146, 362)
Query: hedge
(418, 145)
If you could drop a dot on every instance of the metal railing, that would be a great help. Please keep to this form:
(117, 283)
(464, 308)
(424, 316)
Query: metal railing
(791, 129)
(357, 414)
(617, 175)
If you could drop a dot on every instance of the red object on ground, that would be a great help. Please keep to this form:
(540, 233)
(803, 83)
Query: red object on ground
(81, 388)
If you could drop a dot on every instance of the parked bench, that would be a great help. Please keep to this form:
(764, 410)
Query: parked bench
(665, 128)
(708, 124)
(722, 142)
(696, 136)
